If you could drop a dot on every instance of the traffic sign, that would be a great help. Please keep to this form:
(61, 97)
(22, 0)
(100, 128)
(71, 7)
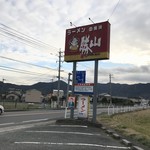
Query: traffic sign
(80, 76)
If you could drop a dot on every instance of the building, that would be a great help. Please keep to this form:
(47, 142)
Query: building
(14, 94)
(33, 96)
(61, 93)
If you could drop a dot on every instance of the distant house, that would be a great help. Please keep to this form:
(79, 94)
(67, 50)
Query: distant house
(61, 93)
(14, 94)
(33, 96)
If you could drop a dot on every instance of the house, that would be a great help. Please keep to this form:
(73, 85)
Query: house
(33, 96)
(14, 94)
(61, 93)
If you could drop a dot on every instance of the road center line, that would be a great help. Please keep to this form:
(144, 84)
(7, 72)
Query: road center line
(74, 144)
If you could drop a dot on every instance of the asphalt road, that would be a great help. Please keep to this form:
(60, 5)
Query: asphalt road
(37, 130)
(49, 136)
(24, 117)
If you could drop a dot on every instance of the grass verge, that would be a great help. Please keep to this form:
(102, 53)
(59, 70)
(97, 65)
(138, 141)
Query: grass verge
(135, 125)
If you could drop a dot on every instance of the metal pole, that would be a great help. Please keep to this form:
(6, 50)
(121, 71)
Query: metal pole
(67, 94)
(95, 91)
(73, 83)
(2, 91)
(59, 67)
(110, 76)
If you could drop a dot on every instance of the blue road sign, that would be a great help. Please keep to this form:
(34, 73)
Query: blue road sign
(80, 76)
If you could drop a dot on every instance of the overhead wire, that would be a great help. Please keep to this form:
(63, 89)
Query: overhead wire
(20, 70)
(23, 37)
(114, 8)
(26, 35)
(22, 40)
(33, 46)
(30, 64)
(27, 63)
(27, 40)
(11, 69)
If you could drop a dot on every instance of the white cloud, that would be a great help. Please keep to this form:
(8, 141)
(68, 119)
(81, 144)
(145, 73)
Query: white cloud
(47, 21)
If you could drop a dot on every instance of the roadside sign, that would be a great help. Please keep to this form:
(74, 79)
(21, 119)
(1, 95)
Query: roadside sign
(83, 106)
(85, 88)
(80, 76)
(71, 102)
(89, 42)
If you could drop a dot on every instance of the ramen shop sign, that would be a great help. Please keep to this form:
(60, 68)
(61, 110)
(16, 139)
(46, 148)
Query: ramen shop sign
(88, 42)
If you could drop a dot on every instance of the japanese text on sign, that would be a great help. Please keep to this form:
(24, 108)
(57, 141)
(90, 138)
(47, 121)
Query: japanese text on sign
(88, 42)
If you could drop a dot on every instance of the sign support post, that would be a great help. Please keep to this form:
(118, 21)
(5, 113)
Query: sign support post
(95, 91)
(73, 83)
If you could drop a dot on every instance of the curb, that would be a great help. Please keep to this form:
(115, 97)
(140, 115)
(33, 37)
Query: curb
(124, 141)
(137, 148)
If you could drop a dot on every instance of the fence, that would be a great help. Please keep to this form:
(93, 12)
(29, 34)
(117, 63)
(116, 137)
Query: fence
(109, 110)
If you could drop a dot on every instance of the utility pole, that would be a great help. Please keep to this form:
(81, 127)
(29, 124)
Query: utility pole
(110, 89)
(52, 85)
(67, 95)
(59, 69)
(2, 90)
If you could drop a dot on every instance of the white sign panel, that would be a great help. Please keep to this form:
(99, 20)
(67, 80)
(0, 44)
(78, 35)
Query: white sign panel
(83, 106)
(86, 88)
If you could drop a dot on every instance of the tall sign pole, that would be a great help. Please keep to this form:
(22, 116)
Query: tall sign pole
(67, 94)
(73, 83)
(95, 91)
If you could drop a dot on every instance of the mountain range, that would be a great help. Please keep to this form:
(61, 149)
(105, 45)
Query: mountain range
(120, 90)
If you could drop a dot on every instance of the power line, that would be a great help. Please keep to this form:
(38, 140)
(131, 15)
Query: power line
(6, 69)
(27, 63)
(20, 70)
(14, 33)
(27, 35)
(115, 7)
(26, 72)
(33, 46)
(22, 40)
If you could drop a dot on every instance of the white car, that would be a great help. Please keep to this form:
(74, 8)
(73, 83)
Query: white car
(1, 109)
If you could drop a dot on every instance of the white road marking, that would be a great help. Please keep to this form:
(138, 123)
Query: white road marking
(3, 124)
(31, 113)
(13, 128)
(70, 126)
(74, 144)
(8, 129)
(62, 132)
(35, 120)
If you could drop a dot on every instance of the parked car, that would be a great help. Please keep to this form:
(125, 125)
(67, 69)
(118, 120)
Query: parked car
(1, 109)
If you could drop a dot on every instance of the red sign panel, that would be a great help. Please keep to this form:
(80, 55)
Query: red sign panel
(88, 42)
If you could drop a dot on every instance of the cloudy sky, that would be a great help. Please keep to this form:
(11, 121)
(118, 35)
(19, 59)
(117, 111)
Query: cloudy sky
(32, 32)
